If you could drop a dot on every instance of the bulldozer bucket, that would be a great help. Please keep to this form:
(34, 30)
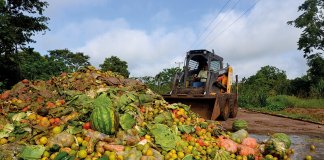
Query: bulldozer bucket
(207, 107)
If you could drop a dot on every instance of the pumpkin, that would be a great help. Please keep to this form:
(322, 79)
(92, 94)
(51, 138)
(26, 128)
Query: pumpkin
(104, 118)
(239, 124)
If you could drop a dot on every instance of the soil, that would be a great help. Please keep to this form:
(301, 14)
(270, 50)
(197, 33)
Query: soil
(259, 123)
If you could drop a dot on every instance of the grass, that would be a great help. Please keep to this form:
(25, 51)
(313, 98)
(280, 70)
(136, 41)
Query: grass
(278, 105)
(291, 101)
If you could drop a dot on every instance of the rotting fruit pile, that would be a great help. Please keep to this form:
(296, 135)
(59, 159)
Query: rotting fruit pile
(90, 114)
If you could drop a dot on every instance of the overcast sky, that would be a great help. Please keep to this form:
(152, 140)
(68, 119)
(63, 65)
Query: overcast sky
(151, 35)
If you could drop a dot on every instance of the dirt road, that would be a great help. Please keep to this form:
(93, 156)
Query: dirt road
(259, 123)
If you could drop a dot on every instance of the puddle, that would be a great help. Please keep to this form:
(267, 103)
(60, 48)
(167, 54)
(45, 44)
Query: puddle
(301, 145)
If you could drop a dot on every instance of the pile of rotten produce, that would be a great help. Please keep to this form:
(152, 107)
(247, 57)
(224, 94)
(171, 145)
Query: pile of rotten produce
(90, 114)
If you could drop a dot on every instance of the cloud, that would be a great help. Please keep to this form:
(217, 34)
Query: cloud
(260, 37)
(146, 53)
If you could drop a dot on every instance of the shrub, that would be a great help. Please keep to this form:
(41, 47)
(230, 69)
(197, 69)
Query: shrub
(278, 103)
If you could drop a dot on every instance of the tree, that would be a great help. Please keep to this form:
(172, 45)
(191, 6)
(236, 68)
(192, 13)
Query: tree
(316, 69)
(19, 21)
(116, 65)
(67, 60)
(268, 81)
(312, 23)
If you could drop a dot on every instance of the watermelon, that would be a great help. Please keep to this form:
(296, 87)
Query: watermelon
(282, 137)
(239, 124)
(104, 117)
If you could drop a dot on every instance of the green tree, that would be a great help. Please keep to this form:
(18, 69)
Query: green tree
(300, 87)
(268, 81)
(19, 21)
(312, 23)
(33, 65)
(67, 61)
(316, 69)
(114, 64)
(316, 76)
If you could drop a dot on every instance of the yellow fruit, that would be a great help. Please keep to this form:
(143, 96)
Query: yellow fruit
(79, 139)
(308, 157)
(32, 116)
(85, 143)
(120, 157)
(112, 156)
(312, 148)
(174, 155)
(46, 154)
(3, 141)
(57, 130)
(53, 155)
(82, 154)
(239, 157)
(43, 140)
(181, 155)
(149, 152)
(44, 158)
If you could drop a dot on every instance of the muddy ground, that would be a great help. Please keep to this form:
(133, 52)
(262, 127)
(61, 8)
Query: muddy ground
(259, 123)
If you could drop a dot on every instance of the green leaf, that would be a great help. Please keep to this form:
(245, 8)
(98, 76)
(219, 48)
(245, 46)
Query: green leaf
(186, 128)
(164, 136)
(127, 121)
(188, 157)
(8, 128)
(32, 152)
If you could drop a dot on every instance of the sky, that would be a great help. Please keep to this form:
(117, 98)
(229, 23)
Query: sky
(152, 35)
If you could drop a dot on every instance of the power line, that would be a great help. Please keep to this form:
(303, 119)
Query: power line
(246, 11)
(212, 21)
(212, 30)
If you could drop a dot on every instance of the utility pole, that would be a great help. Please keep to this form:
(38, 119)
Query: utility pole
(178, 63)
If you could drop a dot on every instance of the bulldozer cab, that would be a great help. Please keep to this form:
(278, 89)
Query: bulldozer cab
(216, 79)
(208, 93)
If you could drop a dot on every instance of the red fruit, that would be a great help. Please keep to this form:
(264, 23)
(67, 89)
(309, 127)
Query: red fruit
(25, 108)
(87, 125)
(201, 142)
(50, 104)
(5, 95)
(25, 81)
(39, 100)
(57, 121)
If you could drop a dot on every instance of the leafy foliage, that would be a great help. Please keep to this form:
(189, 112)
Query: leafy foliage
(312, 23)
(35, 66)
(19, 21)
(162, 82)
(69, 60)
(268, 81)
(114, 64)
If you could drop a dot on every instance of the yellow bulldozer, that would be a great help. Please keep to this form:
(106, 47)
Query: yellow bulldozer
(211, 96)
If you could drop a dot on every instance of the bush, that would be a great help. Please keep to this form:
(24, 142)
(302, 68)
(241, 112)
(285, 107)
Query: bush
(317, 90)
(278, 103)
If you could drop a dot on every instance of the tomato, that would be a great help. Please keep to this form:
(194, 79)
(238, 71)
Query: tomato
(57, 121)
(87, 125)
(50, 104)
